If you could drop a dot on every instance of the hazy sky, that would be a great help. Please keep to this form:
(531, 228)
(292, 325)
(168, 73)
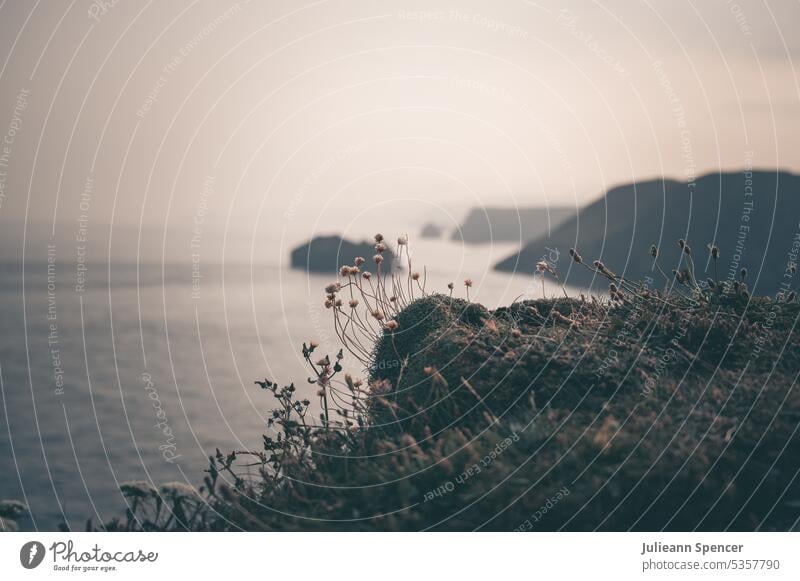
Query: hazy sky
(293, 116)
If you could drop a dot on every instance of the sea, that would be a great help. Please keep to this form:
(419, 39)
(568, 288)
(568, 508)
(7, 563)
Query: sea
(145, 369)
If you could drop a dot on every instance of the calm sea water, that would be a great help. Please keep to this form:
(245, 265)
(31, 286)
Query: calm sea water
(91, 379)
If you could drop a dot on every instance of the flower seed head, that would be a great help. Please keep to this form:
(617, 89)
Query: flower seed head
(377, 258)
(415, 276)
(392, 325)
(366, 275)
(359, 260)
(378, 237)
(575, 256)
(653, 251)
(468, 282)
(402, 240)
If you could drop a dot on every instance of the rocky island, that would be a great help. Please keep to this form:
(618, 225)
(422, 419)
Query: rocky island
(483, 225)
(325, 254)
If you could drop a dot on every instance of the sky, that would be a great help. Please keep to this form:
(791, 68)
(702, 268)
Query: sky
(280, 119)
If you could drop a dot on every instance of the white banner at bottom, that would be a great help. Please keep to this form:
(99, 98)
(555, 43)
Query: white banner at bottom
(390, 556)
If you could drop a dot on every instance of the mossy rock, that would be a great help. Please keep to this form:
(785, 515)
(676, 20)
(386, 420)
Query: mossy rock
(678, 416)
(558, 414)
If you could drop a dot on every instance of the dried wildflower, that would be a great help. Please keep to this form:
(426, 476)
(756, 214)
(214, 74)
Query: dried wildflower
(344, 271)
(681, 243)
(542, 266)
(338, 302)
(450, 285)
(393, 299)
(603, 269)
(366, 275)
(415, 276)
(402, 240)
(575, 256)
(378, 237)
(313, 344)
(380, 386)
(324, 362)
(687, 250)
(320, 393)
(468, 282)
(358, 383)
(359, 260)
(653, 251)
(333, 288)
(377, 315)
(353, 303)
(380, 248)
(377, 258)
(328, 303)
(391, 325)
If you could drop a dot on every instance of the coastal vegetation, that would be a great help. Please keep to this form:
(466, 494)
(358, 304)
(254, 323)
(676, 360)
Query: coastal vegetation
(663, 404)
